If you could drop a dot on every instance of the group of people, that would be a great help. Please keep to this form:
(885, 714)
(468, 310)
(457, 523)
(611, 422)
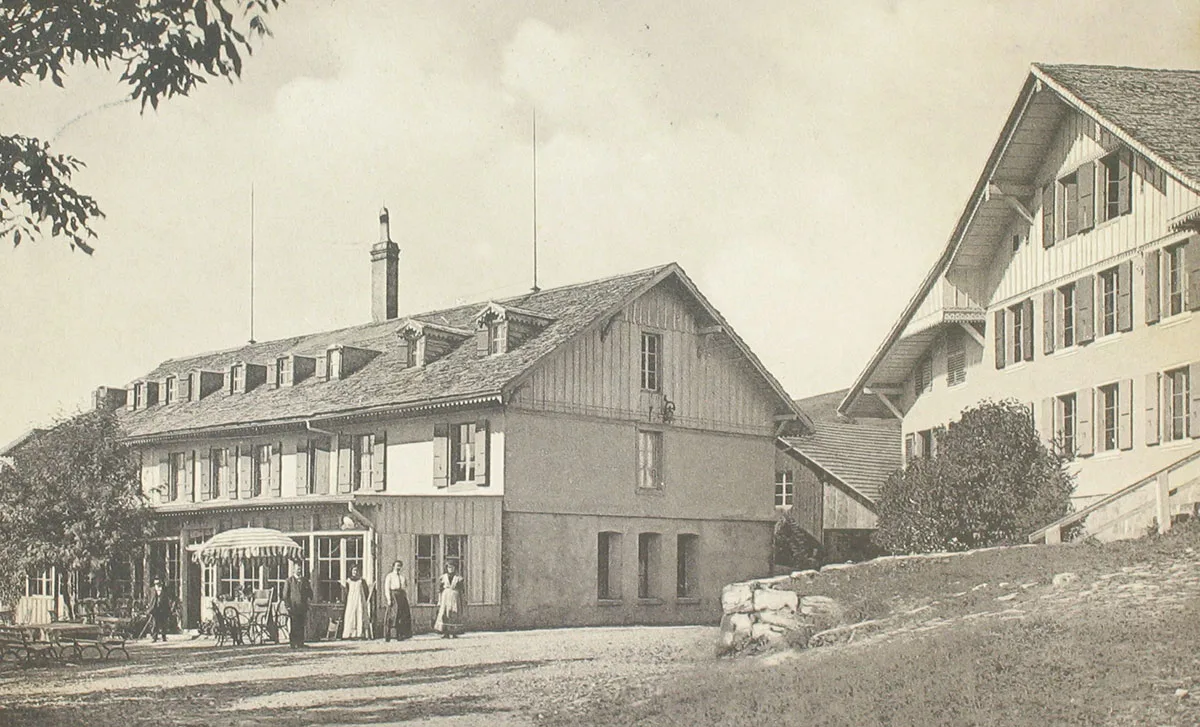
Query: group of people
(356, 618)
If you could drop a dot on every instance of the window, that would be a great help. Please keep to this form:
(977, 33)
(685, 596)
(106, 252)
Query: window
(139, 396)
(171, 387)
(785, 488)
(162, 561)
(412, 357)
(1114, 186)
(1108, 302)
(192, 392)
(1109, 417)
(497, 337)
(686, 581)
(651, 361)
(260, 479)
(648, 565)
(956, 358)
(1176, 388)
(1173, 277)
(40, 583)
(923, 377)
(1064, 424)
(608, 566)
(236, 580)
(919, 444)
(1016, 347)
(362, 461)
(336, 555)
(177, 477)
(433, 553)
(1066, 300)
(650, 460)
(219, 468)
(462, 453)
(925, 440)
(333, 364)
(283, 371)
(1068, 205)
(237, 378)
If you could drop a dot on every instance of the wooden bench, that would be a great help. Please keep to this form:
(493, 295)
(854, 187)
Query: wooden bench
(16, 642)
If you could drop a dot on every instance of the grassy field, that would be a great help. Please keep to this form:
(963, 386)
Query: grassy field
(992, 642)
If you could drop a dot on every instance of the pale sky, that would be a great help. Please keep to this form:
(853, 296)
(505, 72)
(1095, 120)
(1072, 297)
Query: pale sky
(804, 162)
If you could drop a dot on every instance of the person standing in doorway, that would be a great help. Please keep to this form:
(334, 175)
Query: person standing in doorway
(398, 617)
(449, 621)
(161, 606)
(356, 621)
(297, 593)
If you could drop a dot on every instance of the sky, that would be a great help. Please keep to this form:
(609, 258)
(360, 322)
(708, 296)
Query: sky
(804, 162)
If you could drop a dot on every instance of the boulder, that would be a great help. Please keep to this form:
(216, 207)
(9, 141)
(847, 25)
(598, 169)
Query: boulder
(822, 606)
(735, 628)
(769, 599)
(767, 632)
(786, 620)
(737, 598)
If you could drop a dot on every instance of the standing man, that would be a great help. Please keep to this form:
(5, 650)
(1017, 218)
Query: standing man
(296, 594)
(398, 620)
(160, 610)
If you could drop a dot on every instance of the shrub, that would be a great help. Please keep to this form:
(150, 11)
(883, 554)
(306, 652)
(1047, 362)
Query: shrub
(794, 547)
(990, 482)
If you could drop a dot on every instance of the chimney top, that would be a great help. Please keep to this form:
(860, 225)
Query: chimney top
(384, 230)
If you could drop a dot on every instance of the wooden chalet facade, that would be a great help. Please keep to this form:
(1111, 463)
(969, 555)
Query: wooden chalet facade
(593, 454)
(1071, 283)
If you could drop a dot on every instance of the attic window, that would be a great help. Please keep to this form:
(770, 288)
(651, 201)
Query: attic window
(139, 396)
(283, 371)
(497, 338)
(501, 328)
(237, 378)
(171, 389)
(333, 364)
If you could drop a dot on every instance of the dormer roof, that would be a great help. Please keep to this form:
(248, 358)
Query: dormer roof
(494, 311)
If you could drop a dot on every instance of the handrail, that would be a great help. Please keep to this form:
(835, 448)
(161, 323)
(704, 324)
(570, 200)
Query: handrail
(1076, 516)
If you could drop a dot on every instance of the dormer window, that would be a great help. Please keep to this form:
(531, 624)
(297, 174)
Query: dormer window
(171, 393)
(237, 378)
(427, 342)
(497, 338)
(283, 371)
(139, 396)
(333, 364)
(500, 328)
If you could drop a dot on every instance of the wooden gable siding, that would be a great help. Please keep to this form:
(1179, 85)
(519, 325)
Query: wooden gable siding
(844, 512)
(1156, 199)
(944, 294)
(704, 375)
(401, 520)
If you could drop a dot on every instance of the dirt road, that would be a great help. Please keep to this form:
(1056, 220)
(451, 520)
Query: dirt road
(495, 679)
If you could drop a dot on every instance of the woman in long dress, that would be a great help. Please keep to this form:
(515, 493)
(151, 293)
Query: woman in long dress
(356, 619)
(449, 621)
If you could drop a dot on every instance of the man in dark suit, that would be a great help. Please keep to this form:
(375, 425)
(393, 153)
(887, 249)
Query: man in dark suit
(296, 594)
(161, 606)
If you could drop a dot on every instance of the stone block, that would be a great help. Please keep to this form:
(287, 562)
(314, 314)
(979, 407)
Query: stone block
(769, 599)
(735, 628)
(767, 632)
(737, 598)
(820, 606)
(786, 620)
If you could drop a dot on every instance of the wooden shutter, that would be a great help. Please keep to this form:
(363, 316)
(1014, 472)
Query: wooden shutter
(1048, 216)
(1085, 306)
(379, 462)
(1049, 327)
(1153, 279)
(1125, 296)
(1124, 197)
(1194, 395)
(245, 467)
(320, 452)
(441, 455)
(482, 452)
(1153, 386)
(1085, 443)
(189, 476)
(345, 465)
(205, 474)
(1071, 208)
(1086, 179)
(998, 334)
(1027, 329)
(272, 373)
(276, 487)
(1125, 414)
(1046, 421)
(302, 454)
(1191, 263)
(481, 341)
(164, 476)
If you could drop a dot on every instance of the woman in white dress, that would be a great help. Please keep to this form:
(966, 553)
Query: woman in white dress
(449, 621)
(356, 619)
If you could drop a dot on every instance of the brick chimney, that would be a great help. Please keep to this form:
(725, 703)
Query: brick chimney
(385, 274)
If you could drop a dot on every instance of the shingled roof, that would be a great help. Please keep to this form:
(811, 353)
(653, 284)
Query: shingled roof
(460, 376)
(1158, 108)
(861, 457)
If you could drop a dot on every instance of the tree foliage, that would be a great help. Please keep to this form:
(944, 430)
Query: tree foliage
(991, 482)
(164, 49)
(72, 500)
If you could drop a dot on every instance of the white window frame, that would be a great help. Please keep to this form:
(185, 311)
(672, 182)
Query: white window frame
(1109, 293)
(1066, 423)
(1104, 410)
(1174, 280)
(785, 489)
(650, 460)
(651, 361)
(1177, 385)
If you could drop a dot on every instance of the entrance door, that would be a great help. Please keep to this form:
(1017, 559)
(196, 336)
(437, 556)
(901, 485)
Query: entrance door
(194, 589)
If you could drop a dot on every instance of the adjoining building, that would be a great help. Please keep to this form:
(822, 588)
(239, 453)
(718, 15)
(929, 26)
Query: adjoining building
(1071, 282)
(598, 453)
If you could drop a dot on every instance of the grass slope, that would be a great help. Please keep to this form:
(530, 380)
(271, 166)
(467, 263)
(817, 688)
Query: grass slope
(1111, 648)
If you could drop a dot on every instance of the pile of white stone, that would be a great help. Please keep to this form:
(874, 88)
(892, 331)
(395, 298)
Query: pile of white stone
(769, 611)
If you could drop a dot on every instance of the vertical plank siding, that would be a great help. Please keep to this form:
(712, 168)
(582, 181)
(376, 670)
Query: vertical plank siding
(703, 374)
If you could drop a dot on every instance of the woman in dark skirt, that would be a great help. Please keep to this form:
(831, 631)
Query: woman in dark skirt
(398, 619)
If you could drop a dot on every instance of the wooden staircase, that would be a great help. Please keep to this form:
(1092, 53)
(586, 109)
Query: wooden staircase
(1153, 501)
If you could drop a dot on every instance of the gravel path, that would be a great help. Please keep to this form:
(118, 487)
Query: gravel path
(500, 678)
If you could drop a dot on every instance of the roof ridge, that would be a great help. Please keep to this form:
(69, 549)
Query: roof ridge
(1102, 66)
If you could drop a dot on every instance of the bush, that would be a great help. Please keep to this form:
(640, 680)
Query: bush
(991, 482)
(794, 547)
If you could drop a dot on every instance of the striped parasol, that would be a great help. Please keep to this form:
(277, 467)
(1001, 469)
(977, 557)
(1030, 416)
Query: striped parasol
(262, 545)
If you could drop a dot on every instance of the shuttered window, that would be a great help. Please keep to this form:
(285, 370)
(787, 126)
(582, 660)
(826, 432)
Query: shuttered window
(1114, 197)
(1066, 317)
(1065, 425)
(460, 454)
(1173, 281)
(171, 388)
(219, 472)
(1109, 417)
(261, 474)
(1109, 291)
(176, 481)
(956, 358)
(434, 552)
(923, 376)
(1017, 329)
(1068, 197)
(1176, 393)
(650, 460)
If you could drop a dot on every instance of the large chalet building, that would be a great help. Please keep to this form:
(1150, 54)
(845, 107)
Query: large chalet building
(599, 453)
(1071, 283)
